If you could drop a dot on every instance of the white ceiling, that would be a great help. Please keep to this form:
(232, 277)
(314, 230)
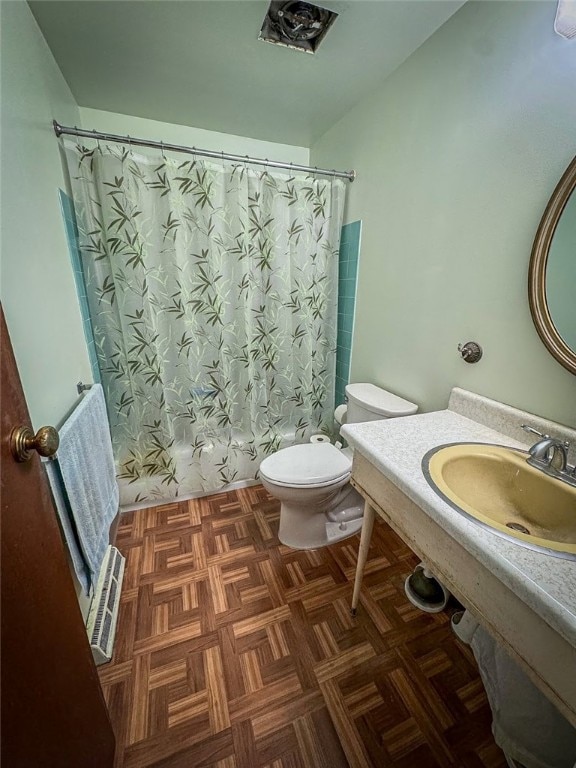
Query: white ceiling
(199, 62)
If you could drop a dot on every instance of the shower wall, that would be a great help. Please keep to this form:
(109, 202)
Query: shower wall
(347, 281)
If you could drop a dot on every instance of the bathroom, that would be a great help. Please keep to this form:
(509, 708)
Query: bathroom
(233, 648)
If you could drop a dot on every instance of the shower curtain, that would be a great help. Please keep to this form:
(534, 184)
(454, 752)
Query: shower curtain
(212, 290)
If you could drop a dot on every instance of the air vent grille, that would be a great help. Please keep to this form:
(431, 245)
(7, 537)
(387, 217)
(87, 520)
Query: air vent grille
(296, 24)
(103, 615)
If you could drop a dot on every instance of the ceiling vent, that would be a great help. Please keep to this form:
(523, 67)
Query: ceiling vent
(295, 24)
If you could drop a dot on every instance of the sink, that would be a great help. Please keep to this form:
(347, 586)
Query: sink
(495, 487)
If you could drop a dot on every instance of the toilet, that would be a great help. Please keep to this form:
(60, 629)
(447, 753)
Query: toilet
(318, 504)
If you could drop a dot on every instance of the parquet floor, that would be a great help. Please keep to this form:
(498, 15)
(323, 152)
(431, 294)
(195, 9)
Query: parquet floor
(236, 652)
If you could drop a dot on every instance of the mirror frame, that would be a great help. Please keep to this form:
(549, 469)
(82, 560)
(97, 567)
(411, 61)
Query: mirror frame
(555, 344)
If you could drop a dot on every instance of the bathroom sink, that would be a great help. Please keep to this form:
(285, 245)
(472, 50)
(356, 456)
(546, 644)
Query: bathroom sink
(495, 487)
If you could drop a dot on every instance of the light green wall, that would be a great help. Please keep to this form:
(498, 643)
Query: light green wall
(37, 285)
(36, 273)
(113, 122)
(457, 154)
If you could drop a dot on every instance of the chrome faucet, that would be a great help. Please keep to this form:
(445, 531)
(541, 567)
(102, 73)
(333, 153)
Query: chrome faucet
(550, 452)
(551, 456)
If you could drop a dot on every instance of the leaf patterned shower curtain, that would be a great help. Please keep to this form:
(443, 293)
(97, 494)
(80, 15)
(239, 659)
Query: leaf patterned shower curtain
(212, 291)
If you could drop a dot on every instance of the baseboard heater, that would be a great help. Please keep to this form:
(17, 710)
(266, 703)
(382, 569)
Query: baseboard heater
(103, 613)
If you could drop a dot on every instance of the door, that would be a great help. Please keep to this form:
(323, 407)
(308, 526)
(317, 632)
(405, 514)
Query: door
(53, 710)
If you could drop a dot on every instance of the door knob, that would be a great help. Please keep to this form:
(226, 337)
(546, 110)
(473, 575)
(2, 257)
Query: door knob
(23, 441)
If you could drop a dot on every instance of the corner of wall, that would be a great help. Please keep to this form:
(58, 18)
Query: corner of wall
(36, 270)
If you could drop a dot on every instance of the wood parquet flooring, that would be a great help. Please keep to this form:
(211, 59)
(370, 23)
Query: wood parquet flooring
(234, 651)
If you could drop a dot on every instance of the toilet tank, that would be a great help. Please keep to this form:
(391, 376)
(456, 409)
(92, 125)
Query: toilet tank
(367, 402)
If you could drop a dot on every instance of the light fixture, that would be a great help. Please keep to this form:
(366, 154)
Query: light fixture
(565, 22)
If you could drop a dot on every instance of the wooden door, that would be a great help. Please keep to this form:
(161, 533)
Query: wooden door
(53, 710)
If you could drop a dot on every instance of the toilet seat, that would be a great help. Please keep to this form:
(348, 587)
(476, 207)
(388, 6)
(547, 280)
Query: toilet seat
(311, 465)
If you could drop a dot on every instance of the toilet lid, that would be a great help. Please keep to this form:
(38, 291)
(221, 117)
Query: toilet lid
(308, 464)
(379, 401)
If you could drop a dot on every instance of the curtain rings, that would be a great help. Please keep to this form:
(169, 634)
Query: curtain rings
(97, 140)
(162, 150)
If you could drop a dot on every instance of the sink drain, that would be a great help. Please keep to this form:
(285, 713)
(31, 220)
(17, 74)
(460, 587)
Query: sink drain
(518, 527)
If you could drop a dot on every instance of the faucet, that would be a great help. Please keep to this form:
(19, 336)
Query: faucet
(550, 452)
(551, 456)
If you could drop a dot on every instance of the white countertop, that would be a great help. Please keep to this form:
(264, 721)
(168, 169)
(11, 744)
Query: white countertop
(396, 447)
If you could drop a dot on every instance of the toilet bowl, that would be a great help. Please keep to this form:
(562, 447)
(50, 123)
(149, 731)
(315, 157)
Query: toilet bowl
(318, 504)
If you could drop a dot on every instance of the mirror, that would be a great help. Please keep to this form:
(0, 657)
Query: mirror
(552, 276)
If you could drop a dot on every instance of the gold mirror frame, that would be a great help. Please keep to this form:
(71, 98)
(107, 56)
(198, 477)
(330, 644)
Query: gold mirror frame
(555, 344)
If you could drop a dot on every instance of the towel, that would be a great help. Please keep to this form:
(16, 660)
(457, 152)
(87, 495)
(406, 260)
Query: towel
(68, 524)
(526, 725)
(89, 477)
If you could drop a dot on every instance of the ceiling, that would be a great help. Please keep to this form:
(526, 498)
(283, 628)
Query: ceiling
(199, 62)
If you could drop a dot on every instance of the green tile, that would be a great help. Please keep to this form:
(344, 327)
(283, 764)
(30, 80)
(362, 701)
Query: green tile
(346, 305)
(344, 288)
(345, 339)
(94, 362)
(347, 322)
(340, 397)
(66, 205)
(341, 368)
(351, 269)
(353, 230)
(343, 355)
(347, 277)
(71, 232)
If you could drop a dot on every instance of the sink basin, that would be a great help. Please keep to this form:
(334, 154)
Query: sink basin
(495, 487)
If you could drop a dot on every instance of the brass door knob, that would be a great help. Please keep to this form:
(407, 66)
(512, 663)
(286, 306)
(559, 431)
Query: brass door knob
(23, 441)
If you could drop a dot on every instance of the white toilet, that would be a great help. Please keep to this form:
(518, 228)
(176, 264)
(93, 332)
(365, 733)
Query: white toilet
(319, 506)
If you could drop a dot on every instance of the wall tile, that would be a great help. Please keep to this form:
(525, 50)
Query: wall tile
(347, 274)
(71, 229)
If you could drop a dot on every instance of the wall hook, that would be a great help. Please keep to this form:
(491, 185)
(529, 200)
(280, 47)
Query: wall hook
(471, 351)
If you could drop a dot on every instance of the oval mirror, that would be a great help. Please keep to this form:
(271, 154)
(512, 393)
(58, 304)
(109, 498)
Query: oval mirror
(552, 275)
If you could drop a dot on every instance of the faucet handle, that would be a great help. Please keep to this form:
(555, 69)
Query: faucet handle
(528, 428)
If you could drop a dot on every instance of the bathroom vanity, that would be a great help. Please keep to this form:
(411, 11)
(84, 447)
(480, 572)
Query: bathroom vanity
(525, 598)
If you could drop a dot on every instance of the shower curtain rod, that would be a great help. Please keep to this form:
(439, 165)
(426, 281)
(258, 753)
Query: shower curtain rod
(61, 130)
